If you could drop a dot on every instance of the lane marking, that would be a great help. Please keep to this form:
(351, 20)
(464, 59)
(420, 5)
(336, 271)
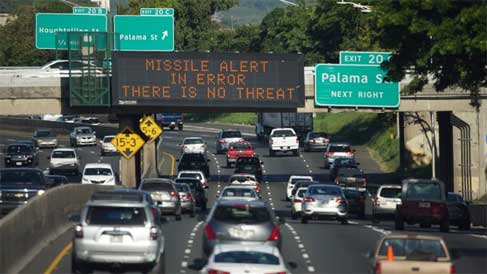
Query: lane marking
(173, 161)
(479, 236)
(309, 264)
(11, 140)
(311, 269)
(54, 264)
(379, 230)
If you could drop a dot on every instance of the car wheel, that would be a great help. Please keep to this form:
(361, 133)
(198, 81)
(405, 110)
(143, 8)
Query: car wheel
(294, 216)
(465, 225)
(79, 266)
(398, 223)
(445, 225)
(304, 220)
(344, 221)
(180, 128)
(296, 152)
(178, 217)
(191, 213)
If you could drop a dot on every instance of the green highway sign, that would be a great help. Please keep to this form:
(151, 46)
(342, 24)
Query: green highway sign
(354, 86)
(51, 28)
(89, 10)
(363, 57)
(144, 33)
(157, 11)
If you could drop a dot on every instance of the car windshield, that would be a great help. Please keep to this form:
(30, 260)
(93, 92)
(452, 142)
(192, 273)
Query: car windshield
(340, 149)
(83, 131)
(246, 257)
(242, 213)
(31, 177)
(183, 187)
(241, 179)
(323, 190)
(98, 171)
(318, 135)
(63, 154)
(19, 149)
(193, 141)
(239, 192)
(107, 215)
(414, 249)
(108, 139)
(241, 146)
(190, 175)
(43, 133)
(424, 191)
(231, 134)
(283, 133)
(155, 186)
(390, 192)
(194, 157)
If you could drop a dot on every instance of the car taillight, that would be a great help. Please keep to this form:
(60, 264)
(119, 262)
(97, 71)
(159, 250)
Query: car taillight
(309, 200)
(210, 235)
(329, 153)
(360, 200)
(188, 196)
(282, 272)
(453, 269)
(257, 188)
(154, 234)
(340, 201)
(78, 231)
(215, 271)
(274, 234)
(174, 194)
(350, 153)
(296, 200)
(297, 140)
(203, 184)
(377, 201)
(221, 141)
(377, 268)
(337, 181)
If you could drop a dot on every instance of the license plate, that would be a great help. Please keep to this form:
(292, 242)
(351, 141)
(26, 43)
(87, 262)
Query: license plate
(18, 163)
(116, 239)
(241, 234)
(424, 205)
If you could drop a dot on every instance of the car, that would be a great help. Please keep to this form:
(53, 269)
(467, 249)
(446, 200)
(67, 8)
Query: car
(299, 184)
(341, 162)
(56, 180)
(316, 141)
(197, 190)
(410, 253)
(193, 145)
(238, 258)
(63, 161)
(383, 203)
(224, 224)
(194, 161)
(238, 192)
(106, 145)
(98, 174)
(171, 120)
(21, 155)
(351, 177)
(335, 150)
(63, 68)
(225, 138)
(458, 212)
(297, 202)
(186, 196)
(292, 181)
(194, 174)
(82, 136)
(323, 201)
(115, 221)
(423, 201)
(69, 119)
(18, 185)
(239, 149)
(356, 201)
(90, 120)
(249, 165)
(243, 179)
(165, 195)
(45, 138)
(283, 140)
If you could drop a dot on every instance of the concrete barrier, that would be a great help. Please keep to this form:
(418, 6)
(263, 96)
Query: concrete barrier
(478, 215)
(26, 230)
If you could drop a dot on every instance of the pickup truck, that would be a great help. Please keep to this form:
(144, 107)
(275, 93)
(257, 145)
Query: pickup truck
(283, 140)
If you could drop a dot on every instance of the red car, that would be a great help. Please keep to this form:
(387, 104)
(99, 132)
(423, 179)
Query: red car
(239, 149)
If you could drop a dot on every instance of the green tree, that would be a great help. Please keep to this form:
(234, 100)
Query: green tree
(446, 39)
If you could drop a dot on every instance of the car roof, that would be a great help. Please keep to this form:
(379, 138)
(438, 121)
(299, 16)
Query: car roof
(300, 177)
(43, 129)
(82, 128)
(188, 138)
(219, 248)
(109, 136)
(242, 175)
(325, 185)
(390, 186)
(259, 203)
(20, 169)
(98, 165)
(118, 196)
(64, 149)
(413, 236)
(230, 130)
(239, 186)
(191, 171)
(157, 180)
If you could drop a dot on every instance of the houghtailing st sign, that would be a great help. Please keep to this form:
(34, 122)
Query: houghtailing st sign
(150, 128)
(203, 80)
(128, 142)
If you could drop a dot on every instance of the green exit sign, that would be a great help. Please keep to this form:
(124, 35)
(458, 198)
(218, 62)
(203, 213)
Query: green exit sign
(354, 86)
(363, 57)
(89, 10)
(157, 11)
(144, 33)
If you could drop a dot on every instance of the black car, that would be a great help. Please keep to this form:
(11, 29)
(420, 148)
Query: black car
(197, 190)
(57, 180)
(458, 212)
(300, 184)
(18, 185)
(351, 177)
(20, 155)
(194, 161)
(356, 201)
(342, 162)
(249, 165)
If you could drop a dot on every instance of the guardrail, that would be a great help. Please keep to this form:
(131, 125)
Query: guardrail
(478, 215)
(24, 231)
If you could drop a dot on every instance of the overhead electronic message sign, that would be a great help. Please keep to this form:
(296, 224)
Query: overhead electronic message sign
(232, 80)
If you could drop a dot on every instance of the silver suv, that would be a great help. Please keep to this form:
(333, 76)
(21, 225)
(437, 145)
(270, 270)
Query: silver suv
(323, 201)
(164, 193)
(118, 227)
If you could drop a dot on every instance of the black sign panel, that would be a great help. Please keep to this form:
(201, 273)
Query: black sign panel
(229, 80)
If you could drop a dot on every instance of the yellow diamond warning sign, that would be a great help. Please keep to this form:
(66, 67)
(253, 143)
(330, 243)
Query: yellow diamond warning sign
(128, 142)
(150, 128)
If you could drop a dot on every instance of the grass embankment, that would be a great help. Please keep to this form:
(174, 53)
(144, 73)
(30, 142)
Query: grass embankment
(239, 118)
(375, 131)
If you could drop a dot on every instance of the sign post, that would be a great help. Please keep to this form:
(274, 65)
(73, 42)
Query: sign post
(150, 128)
(128, 142)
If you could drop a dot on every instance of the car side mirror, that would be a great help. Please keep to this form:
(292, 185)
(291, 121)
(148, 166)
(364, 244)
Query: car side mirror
(208, 160)
(261, 162)
(353, 150)
(79, 157)
(281, 220)
(177, 160)
(292, 265)
(198, 264)
(48, 157)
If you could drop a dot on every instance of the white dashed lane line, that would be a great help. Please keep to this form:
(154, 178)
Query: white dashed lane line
(187, 251)
(302, 249)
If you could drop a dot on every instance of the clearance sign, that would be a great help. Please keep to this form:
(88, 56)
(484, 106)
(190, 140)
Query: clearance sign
(231, 80)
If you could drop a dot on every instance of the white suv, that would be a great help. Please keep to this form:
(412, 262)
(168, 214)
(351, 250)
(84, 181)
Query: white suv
(383, 203)
(100, 174)
(107, 146)
(293, 179)
(63, 160)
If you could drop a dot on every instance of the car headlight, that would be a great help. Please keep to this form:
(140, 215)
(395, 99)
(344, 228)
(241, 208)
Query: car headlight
(78, 137)
(85, 181)
(111, 179)
(40, 192)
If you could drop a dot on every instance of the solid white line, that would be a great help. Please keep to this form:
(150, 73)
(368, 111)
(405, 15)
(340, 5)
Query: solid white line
(479, 236)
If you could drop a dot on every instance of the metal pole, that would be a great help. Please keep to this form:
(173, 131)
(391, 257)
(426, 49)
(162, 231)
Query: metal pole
(433, 145)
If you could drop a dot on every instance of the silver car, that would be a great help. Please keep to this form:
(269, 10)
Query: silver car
(186, 197)
(237, 192)
(240, 222)
(82, 136)
(165, 194)
(116, 228)
(323, 201)
(45, 138)
(335, 150)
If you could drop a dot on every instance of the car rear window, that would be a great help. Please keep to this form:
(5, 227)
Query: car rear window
(108, 139)
(239, 192)
(193, 141)
(43, 133)
(350, 172)
(243, 213)
(231, 134)
(351, 194)
(424, 191)
(301, 193)
(241, 146)
(63, 154)
(318, 135)
(245, 168)
(182, 187)
(414, 249)
(107, 215)
(283, 133)
(190, 175)
(98, 171)
(340, 149)
(193, 157)
(324, 190)
(192, 183)
(153, 186)
(389, 192)
(246, 257)
(83, 131)
(241, 179)
(454, 198)
(345, 162)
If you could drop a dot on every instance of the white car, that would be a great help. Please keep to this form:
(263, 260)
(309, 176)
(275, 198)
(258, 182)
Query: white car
(242, 179)
(98, 173)
(194, 174)
(60, 68)
(193, 145)
(383, 203)
(292, 181)
(238, 192)
(245, 258)
(283, 140)
(63, 160)
(107, 146)
(297, 203)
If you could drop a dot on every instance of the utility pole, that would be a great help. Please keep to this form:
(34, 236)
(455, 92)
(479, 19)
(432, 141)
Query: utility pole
(433, 144)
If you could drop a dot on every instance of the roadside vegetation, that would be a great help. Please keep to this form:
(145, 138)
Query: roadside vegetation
(238, 118)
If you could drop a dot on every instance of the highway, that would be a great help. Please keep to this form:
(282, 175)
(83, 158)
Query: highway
(316, 247)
